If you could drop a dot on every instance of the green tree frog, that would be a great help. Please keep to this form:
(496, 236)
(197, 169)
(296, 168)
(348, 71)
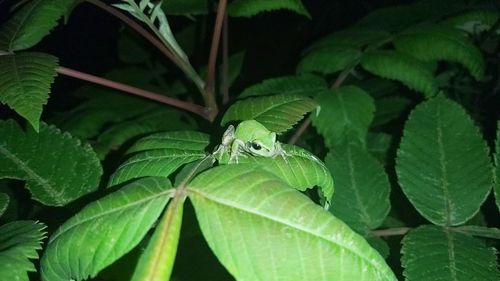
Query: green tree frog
(251, 137)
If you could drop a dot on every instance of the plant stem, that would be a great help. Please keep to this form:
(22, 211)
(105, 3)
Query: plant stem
(185, 67)
(194, 108)
(225, 61)
(212, 59)
(391, 231)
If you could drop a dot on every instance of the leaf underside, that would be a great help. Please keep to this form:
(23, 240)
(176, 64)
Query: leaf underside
(434, 253)
(57, 168)
(442, 163)
(4, 203)
(25, 81)
(104, 230)
(250, 217)
(277, 113)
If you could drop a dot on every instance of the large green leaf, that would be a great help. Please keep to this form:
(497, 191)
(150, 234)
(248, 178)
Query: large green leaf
(362, 189)
(104, 230)
(249, 8)
(57, 168)
(480, 231)
(437, 42)
(25, 80)
(345, 113)
(277, 113)
(158, 162)
(404, 68)
(302, 85)
(329, 60)
(261, 229)
(19, 241)
(31, 23)
(184, 140)
(434, 253)
(4, 203)
(442, 163)
(157, 260)
(298, 168)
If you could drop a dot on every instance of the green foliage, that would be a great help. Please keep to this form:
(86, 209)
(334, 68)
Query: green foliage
(31, 23)
(299, 169)
(454, 256)
(25, 80)
(104, 230)
(267, 214)
(353, 111)
(398, 66)
(362, 195)
(278, 113)
(300, 85)
(328, 60)
(442, 163)
(19, 243)
(249, 216)
(57, 168)
(436, 42)
(161, 155)
(250, 8)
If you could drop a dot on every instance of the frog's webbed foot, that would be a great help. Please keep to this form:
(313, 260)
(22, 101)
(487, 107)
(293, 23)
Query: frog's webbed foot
(227, 139)
(236, 150)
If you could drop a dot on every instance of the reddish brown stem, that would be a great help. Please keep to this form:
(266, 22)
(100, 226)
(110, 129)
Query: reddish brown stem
(212, 59)
(194, 108)
(225, 62)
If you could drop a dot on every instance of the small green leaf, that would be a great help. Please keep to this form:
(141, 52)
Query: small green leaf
(157, 260)
(362, 188)
(18, 244)
(302, 85)
(345, 113)
(31, 23)
(158, 162)
(104, 230)
(277, 113)
(184, 140)
(390, 109)
(251, 217)
(434, 253)
(329, 60)
(57, 168)
(473, 21)
(250, 8)
(25, 80)
(437, 42)
(299, 169)
(408, 70)
(235, 64)
(4, 203)
(356, 38)
(442, 163)
(379, 144)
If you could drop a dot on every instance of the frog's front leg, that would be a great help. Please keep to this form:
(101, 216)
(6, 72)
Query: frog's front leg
(227, 139)
(236, 148)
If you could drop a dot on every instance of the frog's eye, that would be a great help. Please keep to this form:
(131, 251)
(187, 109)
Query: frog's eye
(256, 146)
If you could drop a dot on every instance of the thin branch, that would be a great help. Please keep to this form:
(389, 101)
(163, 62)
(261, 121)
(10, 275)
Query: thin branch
(137, 28)
(185, 67)
(194, 108)
(225, 61)
(212, 59)
(391, 231)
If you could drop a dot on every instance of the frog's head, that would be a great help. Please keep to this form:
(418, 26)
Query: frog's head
(264, 145)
